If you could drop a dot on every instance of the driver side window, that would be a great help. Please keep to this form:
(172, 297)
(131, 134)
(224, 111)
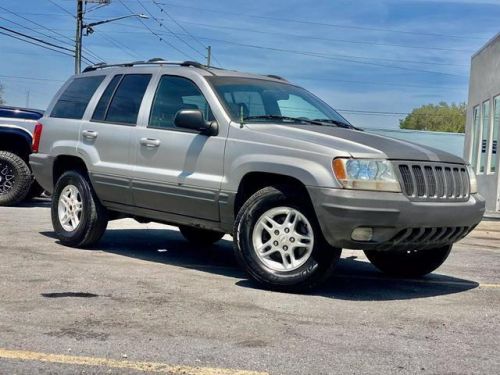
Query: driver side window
(172, 95)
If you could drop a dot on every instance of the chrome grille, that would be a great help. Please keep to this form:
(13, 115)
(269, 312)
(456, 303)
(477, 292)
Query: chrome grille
(434, 181)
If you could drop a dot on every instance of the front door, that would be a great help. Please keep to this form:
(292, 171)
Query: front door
(176, 170)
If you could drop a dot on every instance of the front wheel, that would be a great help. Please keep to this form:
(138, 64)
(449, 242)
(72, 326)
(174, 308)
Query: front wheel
(410, 263)
(279, 243)
(78, 218)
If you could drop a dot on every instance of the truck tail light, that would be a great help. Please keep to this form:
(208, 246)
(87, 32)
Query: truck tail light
(37, 135)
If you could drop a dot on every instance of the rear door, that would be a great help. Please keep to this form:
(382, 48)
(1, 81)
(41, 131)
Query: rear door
(177, 171)
(106, 137)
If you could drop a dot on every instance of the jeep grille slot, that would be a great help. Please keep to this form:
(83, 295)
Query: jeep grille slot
(434, 181)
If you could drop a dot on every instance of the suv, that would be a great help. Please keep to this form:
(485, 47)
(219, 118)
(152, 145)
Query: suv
(216, 151)
(16, 130)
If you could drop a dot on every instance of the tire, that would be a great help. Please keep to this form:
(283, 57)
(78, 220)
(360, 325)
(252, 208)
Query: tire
(15, 179)
(92, 218)
(302, 267)
(200, 236)
(413, 263)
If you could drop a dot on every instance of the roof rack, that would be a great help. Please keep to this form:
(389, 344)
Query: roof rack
(153, 61)
(276, 77)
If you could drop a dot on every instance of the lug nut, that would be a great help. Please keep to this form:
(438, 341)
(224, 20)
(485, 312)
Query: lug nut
(292, 239)
(285, 248)
(275, 243)
(276, 232)
(287, 230)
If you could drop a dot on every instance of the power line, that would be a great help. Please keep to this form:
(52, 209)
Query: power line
(62, 8)
(184, 29)
(306, 22)
(35, 39)
(154, 33)
(169, 30)
(326, 39)
(35, 44)
(48, 29)
(31, 78)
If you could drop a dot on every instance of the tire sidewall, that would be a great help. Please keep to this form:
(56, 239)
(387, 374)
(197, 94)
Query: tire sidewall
(81, 183)
(22, 176)
(323, 257)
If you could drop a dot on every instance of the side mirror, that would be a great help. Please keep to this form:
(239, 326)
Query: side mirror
(193, 119)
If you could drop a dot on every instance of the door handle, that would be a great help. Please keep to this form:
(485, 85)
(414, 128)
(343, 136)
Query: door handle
(150, 142)
(89, 134)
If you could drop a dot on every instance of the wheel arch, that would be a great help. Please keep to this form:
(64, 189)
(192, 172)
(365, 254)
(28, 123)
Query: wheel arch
(16, 140)
(65, 163)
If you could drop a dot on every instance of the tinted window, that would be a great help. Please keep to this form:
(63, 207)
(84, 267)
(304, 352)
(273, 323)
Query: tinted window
(74, 100)
(102, 106)
(172, 95)
(19, 114)
(124, 107)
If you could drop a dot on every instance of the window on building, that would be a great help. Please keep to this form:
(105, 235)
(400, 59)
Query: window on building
(74, 100)
(126, 102)
(496, 133)
(173, 94)
(485, 118)
(476, 130)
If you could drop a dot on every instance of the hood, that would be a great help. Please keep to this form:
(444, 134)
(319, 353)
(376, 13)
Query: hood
(358, 144)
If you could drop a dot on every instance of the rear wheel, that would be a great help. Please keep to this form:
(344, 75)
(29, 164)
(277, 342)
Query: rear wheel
(200, 236)
(78, 218)
(411, 263)
(279, 243)
(15, 179)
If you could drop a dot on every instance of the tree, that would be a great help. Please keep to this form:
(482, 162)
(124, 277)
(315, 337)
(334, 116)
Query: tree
(442, 117)
(2, 101)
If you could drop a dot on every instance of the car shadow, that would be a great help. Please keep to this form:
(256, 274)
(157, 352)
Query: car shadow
(354, 279)
(34, 203)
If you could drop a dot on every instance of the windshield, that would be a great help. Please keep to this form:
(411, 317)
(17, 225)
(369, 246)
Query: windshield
(258, 100)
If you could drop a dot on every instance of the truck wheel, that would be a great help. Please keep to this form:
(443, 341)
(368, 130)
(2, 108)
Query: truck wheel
(15, 179)
(78, 218)
(200, 236)
(278, 241)
(413, 263)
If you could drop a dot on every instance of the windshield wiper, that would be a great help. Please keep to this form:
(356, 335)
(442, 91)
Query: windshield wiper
(339, 123)
(283, 118)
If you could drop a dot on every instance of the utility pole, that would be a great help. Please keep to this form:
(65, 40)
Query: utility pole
(78, 37)
(209, 55)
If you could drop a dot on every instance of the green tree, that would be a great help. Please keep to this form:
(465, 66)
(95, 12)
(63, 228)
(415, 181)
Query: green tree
(442, 117)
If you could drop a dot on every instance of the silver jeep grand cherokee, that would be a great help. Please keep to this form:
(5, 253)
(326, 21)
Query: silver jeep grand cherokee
(216, 151)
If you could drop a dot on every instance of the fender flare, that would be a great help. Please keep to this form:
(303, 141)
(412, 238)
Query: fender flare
(18, 132)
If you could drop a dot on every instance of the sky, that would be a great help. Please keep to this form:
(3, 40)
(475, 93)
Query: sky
(385, 57)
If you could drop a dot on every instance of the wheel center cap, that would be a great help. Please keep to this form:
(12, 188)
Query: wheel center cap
(283, 238)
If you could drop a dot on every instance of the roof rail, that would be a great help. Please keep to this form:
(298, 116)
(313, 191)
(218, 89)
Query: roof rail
(276, 77)
(153, 61)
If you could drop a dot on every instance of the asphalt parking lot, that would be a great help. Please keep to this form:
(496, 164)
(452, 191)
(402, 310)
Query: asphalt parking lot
(147, 301)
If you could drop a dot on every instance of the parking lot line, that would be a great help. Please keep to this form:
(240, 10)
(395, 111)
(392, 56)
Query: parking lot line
(154, 367)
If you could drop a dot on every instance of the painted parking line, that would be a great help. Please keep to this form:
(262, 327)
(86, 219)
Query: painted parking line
(153, 367)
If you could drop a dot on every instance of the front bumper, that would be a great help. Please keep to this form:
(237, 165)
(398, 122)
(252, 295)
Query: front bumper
(397, 222)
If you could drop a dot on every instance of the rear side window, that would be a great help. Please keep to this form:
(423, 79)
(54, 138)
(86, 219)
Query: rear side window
(124, 107)
(102, 106)
(74, 100)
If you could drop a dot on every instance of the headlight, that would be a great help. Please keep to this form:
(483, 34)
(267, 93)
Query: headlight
(472, 179)
(366, 174)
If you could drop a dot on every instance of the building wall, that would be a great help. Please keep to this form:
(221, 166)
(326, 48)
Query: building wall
(481, 137)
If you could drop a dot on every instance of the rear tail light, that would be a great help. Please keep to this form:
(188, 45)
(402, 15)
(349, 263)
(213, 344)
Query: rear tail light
(37, 134)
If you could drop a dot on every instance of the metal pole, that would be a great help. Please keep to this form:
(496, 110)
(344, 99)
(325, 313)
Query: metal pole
(78, 37)
(209, 55)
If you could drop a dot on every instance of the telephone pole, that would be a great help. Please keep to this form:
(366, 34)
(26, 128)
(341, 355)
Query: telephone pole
(209, 55)
(78, 37)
